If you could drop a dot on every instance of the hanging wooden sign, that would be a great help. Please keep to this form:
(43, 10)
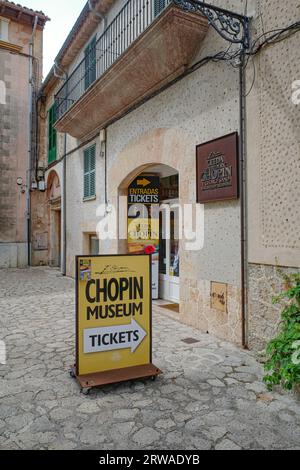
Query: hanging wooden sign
(217, 170)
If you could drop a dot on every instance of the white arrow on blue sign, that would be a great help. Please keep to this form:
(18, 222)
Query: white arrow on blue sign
(113, 337)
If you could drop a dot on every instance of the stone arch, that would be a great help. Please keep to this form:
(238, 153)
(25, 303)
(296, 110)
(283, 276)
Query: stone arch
(174, 148)
(53, 187)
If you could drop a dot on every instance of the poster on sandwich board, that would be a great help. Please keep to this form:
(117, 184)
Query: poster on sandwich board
(143, 222)
(113, 318)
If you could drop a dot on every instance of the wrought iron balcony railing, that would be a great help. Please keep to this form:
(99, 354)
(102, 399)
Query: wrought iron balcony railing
(127, 26)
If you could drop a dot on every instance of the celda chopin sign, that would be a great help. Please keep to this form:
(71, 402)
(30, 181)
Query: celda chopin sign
(217, 169)
(113, 313)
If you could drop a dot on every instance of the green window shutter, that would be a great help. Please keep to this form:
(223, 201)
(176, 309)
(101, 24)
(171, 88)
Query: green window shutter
(52, 136)
(89, 172)
(159, 5)
(90, 63)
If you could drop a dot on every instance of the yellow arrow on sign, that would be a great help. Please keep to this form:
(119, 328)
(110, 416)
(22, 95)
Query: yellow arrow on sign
(144, 182)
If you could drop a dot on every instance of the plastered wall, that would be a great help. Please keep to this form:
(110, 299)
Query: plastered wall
(273, 156)
(273, 149)
(14, 129)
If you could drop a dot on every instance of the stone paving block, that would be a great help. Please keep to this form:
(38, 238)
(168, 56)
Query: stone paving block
(208, 397)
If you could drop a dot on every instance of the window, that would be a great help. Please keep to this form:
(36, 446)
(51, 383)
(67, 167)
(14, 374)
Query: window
(52, 137)
(90, 63)
(89, 180)
(4, 29)
(94, 245)
(159, 5)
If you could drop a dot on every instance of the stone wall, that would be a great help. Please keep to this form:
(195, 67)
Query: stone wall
(265, 282)
(14, 144)
(39, 229)
(7, 163)
(13, 160)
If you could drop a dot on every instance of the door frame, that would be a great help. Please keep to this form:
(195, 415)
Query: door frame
(166, 281)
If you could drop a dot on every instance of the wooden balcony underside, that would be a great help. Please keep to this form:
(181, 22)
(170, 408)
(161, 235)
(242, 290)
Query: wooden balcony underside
(159, 55)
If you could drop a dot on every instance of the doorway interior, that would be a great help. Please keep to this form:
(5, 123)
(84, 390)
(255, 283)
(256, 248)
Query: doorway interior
(169, 263)
(54, 208)
(55, 236)
(169, 256)
(169, 259)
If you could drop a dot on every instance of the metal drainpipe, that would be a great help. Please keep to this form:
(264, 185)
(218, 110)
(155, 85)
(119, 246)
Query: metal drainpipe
(29, 170)
(64, 261)
(105, 170)
(243, 201)
(64, 202)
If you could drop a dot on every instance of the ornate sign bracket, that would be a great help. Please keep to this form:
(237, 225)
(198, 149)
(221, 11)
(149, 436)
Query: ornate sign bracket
(231, 26)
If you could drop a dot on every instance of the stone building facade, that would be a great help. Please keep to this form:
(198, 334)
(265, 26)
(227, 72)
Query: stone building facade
(273, 168)
(21, 61)
(141, 109)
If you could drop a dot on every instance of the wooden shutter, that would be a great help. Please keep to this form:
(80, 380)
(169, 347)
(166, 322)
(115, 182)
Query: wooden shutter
(89, 176)
(90, 63)
(52, 136)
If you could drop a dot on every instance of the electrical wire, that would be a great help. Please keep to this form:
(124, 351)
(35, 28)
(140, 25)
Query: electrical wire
(276, 36)
(254, 78)
(271, 37)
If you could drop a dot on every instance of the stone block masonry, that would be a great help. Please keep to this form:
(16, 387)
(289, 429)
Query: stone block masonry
(211, 395)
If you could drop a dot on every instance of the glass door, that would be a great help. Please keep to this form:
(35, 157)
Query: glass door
(169, 254)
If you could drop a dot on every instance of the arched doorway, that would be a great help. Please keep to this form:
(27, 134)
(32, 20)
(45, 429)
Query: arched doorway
(54, 218)
(156, 150)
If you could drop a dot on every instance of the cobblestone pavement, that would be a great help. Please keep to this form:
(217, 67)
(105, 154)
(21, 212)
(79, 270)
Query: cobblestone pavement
(210, 396)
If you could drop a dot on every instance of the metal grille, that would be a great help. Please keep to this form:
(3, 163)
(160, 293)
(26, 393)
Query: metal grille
(128, 25)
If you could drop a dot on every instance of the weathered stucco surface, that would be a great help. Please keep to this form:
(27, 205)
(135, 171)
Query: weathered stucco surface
(273, 151)
(14, 130)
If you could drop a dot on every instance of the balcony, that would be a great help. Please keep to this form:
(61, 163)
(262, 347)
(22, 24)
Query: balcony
(143, 49)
